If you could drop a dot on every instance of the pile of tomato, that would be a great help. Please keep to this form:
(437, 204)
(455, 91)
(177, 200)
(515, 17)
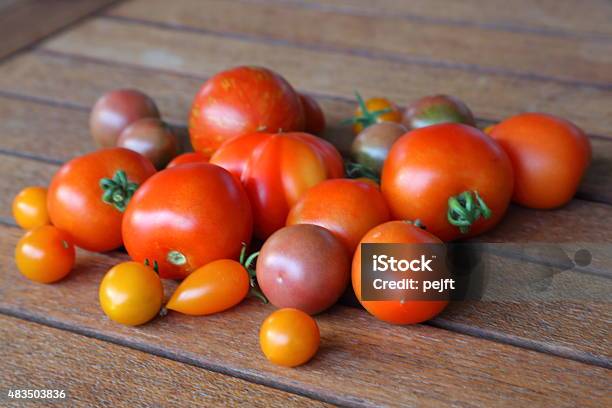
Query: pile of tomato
(265, 206)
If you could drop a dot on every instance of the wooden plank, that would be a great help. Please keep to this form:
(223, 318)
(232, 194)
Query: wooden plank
(548, 16)
(491, 96)
(94, 372)
(583, 60)
(576, 333)
(418, 365)
(25, 22)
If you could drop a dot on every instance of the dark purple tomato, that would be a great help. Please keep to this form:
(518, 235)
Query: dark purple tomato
(117, 109)
(434, 109)
(304, 267)
(153, 139)
(313, 115)
(371, 146)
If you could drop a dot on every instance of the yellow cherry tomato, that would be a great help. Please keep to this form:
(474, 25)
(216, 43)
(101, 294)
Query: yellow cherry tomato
(30, 208)
(289, 337)
(214, 287)
(44, 254)
(374, 110)
(131, 293)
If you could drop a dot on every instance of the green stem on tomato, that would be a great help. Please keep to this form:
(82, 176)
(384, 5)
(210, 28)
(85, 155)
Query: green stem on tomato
(465, 208)
(247, 262)
(356, 170)
(367, 117)
(118, 190)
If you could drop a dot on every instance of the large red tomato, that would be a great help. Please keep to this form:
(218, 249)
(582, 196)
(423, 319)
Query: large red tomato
(396, 311)
(239, 101)
(88, 195)
(454, 178)
(347, 208)
(276, 169)
(549, 156)
(185, 217)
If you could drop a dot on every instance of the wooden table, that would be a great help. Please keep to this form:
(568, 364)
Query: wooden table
(500, 57)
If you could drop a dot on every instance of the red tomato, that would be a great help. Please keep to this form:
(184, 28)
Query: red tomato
(185, 158)
(452, 177)
(396, 311)
(276, 169)
(347, 208)
(239, 101)
(313, 115)
(44, 254)
(213, 288)
(549, 156)
(185, 217)
(88, 195)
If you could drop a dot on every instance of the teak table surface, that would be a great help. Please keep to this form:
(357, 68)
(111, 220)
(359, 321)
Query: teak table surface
(501, 57)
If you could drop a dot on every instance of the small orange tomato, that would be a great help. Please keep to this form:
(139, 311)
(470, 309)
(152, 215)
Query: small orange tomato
(374, 110)
(30, 208)
(214, 287)
(44, 254)
(131, 293)
(289, 337)
(186, 158)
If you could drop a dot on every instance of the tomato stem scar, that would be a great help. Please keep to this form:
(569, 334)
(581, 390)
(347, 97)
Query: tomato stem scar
(176, 258)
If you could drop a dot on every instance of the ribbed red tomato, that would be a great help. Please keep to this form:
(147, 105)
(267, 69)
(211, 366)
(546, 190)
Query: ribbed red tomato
(239, 101)
(276, 169)
(185, 217)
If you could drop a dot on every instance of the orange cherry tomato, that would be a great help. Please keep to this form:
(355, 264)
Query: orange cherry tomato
(88, 195)
(276, 169)
(374, 110)
(213, 288)
(313, 115)
(185, 158)
(131, 293)
(185, 217)
(396, 311)
(240, 101)
(454, 178)
(44, 254)
(30, 208)
(549, 156)
(347, 208)
(289, 337)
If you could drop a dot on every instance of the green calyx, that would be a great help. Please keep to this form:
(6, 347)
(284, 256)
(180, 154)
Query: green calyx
(155, 265)
(367, 117)
(247, 262)
(356, 170)
(464, 209)
(117, 191)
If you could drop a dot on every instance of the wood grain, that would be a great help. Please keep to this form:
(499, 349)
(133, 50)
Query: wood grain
(195, 54)
(388, 38)
(25, 22)
(97, 373)
(418, 364)
(560, 17)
